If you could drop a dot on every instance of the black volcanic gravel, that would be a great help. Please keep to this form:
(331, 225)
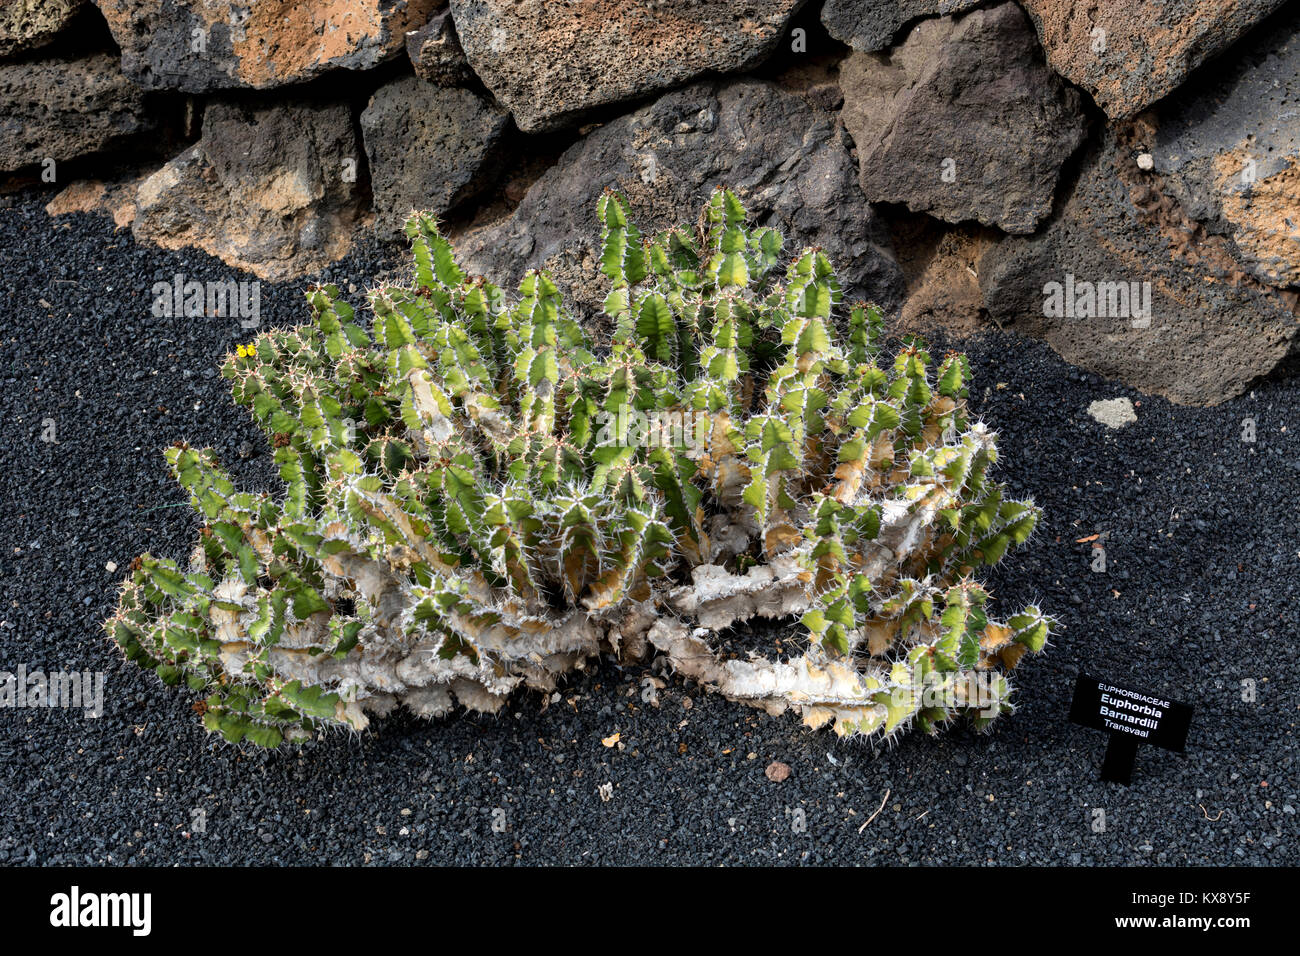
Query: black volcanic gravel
(1202, 549)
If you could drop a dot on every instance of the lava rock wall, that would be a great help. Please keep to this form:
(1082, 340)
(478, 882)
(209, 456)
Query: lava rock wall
(1119, 178)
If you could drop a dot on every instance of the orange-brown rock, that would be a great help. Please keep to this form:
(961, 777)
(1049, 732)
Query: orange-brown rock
(1130, 53)
(204, 45)
(1228, 147)
(269, 189)
(941, 269)
(115, 198)
(27, 24)
(550, 62)
(1125, 281)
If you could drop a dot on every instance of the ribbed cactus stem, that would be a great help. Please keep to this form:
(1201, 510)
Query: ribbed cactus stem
(478, 496)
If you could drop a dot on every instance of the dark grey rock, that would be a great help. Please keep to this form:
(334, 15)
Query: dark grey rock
(1210, 331)
(1228, 149)
(436, 53)
(869, 25)
(63, 108)
(783, 160)
(429, 148)
(963, 120)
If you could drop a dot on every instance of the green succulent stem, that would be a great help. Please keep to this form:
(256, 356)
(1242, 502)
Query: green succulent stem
(478, 495)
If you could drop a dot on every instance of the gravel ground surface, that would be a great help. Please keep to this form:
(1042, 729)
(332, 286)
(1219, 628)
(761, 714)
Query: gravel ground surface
(1202, 548)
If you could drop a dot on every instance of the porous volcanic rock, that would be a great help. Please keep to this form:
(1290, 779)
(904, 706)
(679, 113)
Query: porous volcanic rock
(550, 62)
(1130, 53)
(1126, 283)
(784, 160)
(114, 197)
(27, 24)
(963, 120)
(870, 25)
(436, 53)
(270, 189)
(203, 45)
(1228, 148)
(68, 107)
(429, 148)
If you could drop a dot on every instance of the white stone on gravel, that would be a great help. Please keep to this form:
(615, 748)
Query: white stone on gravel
(1113, 412)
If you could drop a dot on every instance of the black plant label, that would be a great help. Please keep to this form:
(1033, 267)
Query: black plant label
(1131, 716)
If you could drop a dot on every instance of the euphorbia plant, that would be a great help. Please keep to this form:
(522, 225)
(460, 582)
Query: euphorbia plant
(479, 496)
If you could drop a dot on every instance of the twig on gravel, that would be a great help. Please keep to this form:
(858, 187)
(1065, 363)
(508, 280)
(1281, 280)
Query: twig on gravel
(1207, 815)
(877, 813)
(182, 504)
